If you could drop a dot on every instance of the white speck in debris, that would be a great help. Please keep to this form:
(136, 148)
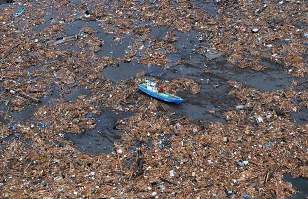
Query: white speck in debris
(172, 173)
(259, 119)
(255, 30)
(119, 151)
(239, 107)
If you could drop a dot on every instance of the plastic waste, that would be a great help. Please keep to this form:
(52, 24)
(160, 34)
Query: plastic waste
(246, 196)
(20, 11)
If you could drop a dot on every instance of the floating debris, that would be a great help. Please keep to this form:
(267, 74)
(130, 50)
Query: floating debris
(255, 30)
(259, 119)
(242, 163)
(239, 65)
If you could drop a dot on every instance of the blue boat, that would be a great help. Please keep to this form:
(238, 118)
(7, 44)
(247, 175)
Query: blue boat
(150, 89)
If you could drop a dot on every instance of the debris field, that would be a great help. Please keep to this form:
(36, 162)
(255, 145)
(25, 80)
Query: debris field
(74, 125)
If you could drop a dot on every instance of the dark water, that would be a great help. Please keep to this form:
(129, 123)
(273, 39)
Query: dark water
(159, 32)
(210, 69)
(209, 6)
(265, 81)
(212, 100)
(114, 48)
(130, 70)
(123, 71)
(188, 45)
(14, 118)
(100, 139)
(301, 116)
(300, 184)
(8, 139)
(75, 93)
(274, 77)
(6, 1)
(110, 44)
(48, 18)
(4, 4)
(53, 94)
(75, 28)
(154, 71)
(188, 42)
(76, 2)
(3, 110)
(25, 114)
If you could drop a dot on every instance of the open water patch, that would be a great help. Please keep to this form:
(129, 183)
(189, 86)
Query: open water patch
(25, 114)
(159, 32)
(14, 118)
(209, 6)
(100, 139)
(8, 139)
(300, 184)
(273, 78)
(123, 71)
(300, 117)
(111, 45)
(212, 100)
(6, 1)
(76, 2)
(54, 94)
(75, 93)
(48, 19)
(213, 74)
(75, 27)
(3, 111)
(188, 42)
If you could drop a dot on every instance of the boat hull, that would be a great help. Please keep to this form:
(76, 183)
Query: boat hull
(161, 96)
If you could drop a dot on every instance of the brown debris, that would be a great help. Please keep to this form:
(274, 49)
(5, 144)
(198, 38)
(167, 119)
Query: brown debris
(160, 154)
